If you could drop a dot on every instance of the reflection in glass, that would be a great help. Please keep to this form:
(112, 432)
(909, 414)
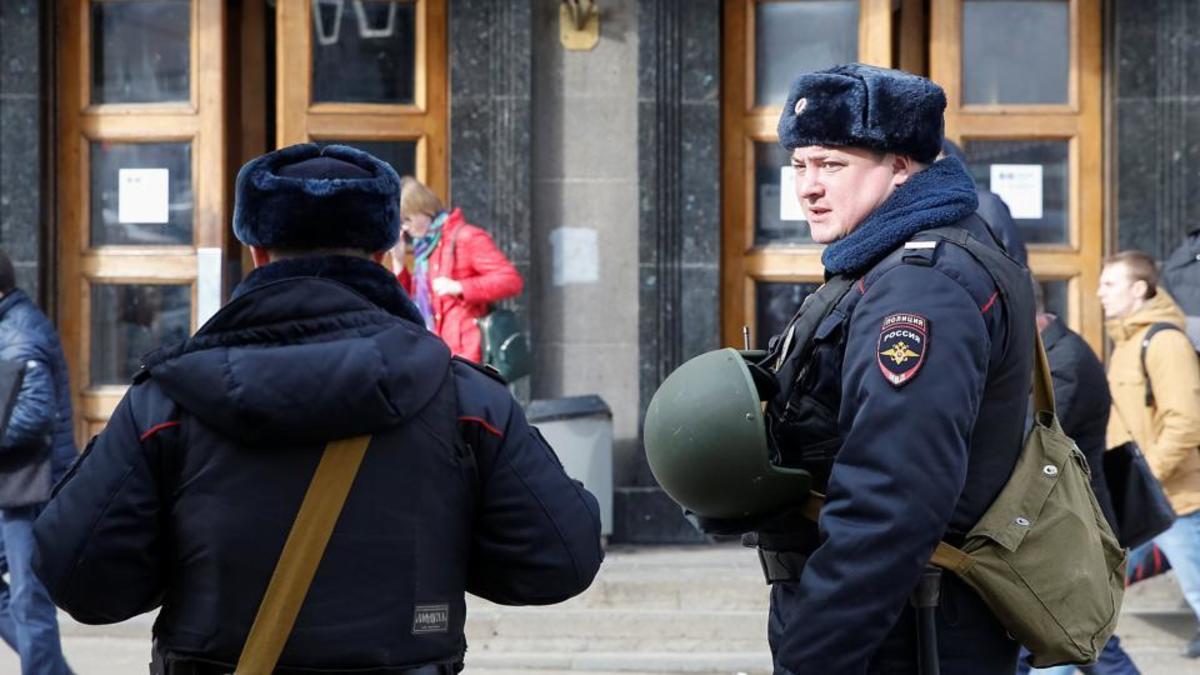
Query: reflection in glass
(363, 51)
(1054, 298)
(1015, 51)
(141, 51)
(769, 225)
(129, 320)
(402, 155)
(1040, 221)
(107, 161)
(775, 303)
(793, 37)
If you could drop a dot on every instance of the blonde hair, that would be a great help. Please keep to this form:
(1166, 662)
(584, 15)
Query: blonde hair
(1141, 267)
(416, 198)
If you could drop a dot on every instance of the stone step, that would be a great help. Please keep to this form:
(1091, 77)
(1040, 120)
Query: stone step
(666, 662)
(577, 630)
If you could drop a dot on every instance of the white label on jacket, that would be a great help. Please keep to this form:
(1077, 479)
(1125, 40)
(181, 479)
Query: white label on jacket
(576, 258)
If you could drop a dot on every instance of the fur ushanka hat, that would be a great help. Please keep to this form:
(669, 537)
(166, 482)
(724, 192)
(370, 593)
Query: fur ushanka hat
(305, 197)
(865, 106)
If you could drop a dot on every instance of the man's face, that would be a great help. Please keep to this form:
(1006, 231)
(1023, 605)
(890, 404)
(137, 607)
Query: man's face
(839, 187)
(1118, 292)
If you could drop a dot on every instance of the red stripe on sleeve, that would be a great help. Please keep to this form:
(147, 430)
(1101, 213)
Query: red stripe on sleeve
(483, 423)
(157, 428)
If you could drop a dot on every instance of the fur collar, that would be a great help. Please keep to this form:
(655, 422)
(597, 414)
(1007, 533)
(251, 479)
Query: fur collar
(940, 195)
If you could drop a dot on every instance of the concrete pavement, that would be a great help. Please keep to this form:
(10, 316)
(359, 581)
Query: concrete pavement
(651, 610)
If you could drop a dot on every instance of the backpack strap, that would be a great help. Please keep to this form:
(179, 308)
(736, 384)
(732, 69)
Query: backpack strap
(302, 553)
(1155, 329)
(800, 330)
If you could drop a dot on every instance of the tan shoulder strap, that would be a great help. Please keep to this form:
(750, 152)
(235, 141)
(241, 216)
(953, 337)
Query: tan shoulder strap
(944, 556)
(302, 552)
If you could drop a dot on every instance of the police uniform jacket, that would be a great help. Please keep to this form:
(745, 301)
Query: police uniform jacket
(910, 415)
(185, 499)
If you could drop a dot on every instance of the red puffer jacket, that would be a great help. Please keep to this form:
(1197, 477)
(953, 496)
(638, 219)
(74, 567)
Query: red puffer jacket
(467, 255)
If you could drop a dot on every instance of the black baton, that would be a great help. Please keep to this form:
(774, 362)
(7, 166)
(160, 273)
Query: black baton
(925, 599)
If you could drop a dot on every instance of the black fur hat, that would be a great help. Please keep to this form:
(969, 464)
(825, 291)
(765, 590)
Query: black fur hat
(305, 197)
(865, 106)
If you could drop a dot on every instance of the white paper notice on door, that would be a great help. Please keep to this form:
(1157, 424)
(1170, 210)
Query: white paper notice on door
(143, 195)
(1020, 186)
(789, 203)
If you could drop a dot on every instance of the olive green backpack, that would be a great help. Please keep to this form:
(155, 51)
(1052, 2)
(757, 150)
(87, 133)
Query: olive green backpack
(1043, 556)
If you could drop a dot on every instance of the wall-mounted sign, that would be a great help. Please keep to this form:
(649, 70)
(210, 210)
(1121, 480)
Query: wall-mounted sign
(143, 195)
(789, 203)
(576, 259)
(1020, 186)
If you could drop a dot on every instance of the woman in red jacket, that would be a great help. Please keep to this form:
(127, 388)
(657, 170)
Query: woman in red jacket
(457, 270)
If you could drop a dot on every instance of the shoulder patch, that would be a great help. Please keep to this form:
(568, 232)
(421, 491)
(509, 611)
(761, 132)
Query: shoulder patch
(903, 342)
(485, 369)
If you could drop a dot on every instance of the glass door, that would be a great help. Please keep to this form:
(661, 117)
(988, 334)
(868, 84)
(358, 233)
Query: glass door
(372, 74)
(142, 186)
(769, 261)
(1029, 122)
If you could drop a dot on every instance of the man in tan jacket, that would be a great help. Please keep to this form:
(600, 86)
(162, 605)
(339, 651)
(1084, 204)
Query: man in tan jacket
(1164, 418)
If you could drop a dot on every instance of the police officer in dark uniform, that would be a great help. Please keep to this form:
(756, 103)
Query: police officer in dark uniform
(910, 411)
(185, 500)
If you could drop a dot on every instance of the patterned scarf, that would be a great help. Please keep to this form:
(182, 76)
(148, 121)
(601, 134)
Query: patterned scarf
(422, 250)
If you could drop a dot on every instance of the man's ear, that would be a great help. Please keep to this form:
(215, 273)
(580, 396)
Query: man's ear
(377, 256)
(903, 168)
(260, 256)
(1140, 288)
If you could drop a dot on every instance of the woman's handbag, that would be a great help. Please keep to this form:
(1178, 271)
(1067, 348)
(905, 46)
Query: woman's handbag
(505, 346)
(1142, 509)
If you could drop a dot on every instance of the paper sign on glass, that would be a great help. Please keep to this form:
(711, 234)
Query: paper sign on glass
(789, 203)
(1020, 186)
(143, 195)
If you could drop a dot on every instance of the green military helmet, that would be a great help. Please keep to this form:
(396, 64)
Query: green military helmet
(706, 442)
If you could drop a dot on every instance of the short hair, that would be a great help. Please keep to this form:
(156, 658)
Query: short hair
(416, 197)
(8, 276)
(1141, 267)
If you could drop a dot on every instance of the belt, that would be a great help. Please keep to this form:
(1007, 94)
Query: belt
(781, 565)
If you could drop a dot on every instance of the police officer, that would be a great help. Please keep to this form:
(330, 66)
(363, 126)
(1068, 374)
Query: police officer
(185, 500)
(909, 413)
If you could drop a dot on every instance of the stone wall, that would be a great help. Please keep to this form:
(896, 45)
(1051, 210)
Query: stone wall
(21, 105)
(1155, 57)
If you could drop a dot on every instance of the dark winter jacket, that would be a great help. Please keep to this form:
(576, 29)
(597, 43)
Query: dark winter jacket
(39, 443)
(1181, 276)
(1082, 401)
(995, 213)
(910, 416)
(185, 499)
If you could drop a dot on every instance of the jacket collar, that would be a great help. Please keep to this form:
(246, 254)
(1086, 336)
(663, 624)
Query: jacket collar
(370, 280)
(1159, 309)
(11, 299)
(1054, 331)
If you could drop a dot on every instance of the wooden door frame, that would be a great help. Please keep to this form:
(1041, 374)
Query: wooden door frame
(1079, 120)
(742, 124)
(199, 121)
(424, 121)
